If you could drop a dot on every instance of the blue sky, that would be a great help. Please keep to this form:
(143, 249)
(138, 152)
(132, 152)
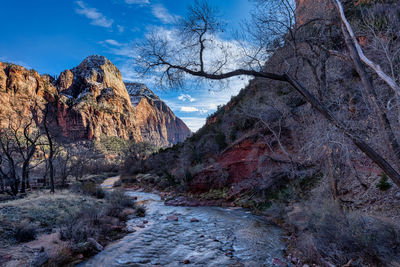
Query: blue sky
(51, 36)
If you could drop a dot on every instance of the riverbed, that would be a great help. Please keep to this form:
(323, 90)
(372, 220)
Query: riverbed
(193, 236)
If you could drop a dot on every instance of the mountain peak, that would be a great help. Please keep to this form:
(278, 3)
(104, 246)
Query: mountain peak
(137, 91)
(94, 61)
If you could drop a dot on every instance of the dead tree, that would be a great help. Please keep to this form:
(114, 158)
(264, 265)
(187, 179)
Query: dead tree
(185, 54)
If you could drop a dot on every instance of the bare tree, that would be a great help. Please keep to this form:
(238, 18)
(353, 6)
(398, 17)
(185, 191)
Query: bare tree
(46, 121)
(63, 164)
(26, 136)
(185, 54)
(9, 156)
(357, 54)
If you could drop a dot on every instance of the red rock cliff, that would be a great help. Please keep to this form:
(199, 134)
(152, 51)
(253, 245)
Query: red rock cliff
(92, 101)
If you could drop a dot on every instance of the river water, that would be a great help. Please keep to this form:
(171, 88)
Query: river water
(220, 237)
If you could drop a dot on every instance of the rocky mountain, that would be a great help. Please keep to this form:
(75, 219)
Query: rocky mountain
(92, 101)
(153, 117)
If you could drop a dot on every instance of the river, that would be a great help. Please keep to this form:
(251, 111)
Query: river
(193, 236)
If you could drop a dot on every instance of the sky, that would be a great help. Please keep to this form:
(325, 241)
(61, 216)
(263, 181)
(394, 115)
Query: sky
(51, 36)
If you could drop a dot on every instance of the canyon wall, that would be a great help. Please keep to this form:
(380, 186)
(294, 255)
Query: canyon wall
(91, 101)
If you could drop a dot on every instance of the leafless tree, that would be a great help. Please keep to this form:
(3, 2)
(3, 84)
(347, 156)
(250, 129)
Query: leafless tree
(63, 163)
(184, 53)
(51, 132)
(9, 159)
(27, 138)
(19, 142)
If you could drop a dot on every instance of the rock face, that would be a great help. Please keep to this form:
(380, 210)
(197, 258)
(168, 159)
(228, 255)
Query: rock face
(307, 10)
(92, 101)
(248, 146)
(154, 118)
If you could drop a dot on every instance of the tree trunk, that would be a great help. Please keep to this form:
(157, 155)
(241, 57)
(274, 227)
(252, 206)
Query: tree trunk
(2, 186)
(25, 174)
(51, 168)
(383, 120)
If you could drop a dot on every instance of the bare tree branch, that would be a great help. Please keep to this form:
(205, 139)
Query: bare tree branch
(378, 70)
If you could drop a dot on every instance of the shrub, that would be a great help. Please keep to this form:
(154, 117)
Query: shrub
(61, 257)
(118, 201)
(221, 141)
(384, 183)
(24, 233)
(80, 227)
(89, 188)
(342, 236)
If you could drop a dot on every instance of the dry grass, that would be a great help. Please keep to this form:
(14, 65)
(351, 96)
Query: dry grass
(340, 236)
(40, 212)
(79, 218)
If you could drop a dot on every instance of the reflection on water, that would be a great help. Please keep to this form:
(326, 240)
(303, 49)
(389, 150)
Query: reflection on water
(221, 237)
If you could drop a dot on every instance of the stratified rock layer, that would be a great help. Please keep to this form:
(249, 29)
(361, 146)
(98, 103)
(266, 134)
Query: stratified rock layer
(92, 101)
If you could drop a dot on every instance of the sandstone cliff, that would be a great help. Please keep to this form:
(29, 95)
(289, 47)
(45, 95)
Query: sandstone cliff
(154, 118)
(92, 101)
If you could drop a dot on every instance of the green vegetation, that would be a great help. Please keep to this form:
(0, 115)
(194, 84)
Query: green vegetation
(384, 184)
(111, 144)
(220, 139)
(215, 193)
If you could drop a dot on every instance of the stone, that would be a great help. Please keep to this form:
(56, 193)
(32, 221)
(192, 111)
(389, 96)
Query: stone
(194, 220)
(172, 218)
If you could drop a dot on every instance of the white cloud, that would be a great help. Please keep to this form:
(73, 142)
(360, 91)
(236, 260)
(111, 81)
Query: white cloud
(160, 12)
(137, 2)
(186, 97)
(112, 42)
(120, 28)
(97, 18)
(194, 123)
(189, 109)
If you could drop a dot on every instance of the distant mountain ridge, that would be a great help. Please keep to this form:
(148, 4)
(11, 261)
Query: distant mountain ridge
(93, 101)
